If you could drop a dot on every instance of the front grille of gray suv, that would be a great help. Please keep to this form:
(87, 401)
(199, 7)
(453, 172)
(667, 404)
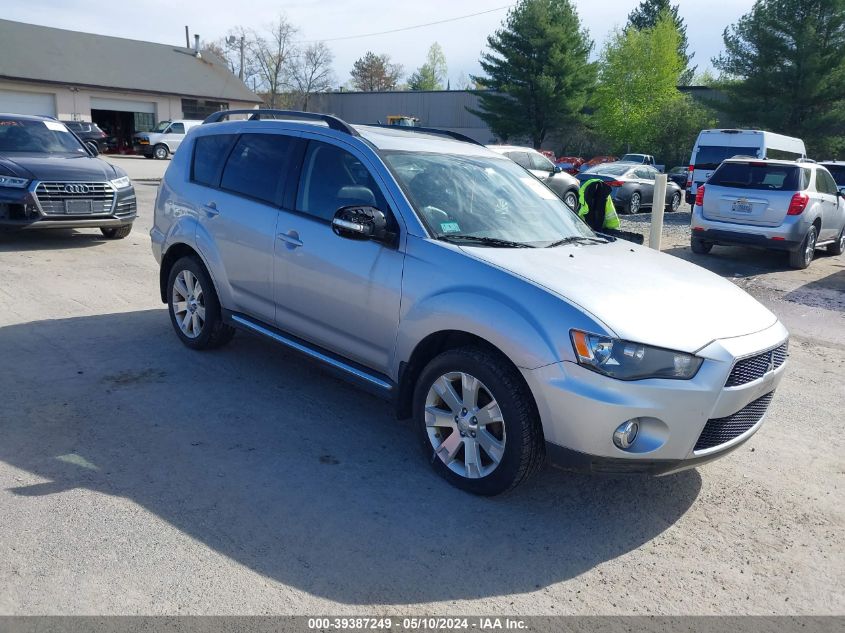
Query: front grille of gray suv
(749, 369)
(722, 430)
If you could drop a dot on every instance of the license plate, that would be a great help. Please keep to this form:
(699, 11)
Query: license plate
(742, 206)
(78, 207)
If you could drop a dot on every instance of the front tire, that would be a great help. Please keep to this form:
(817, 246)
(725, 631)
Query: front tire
(803, 255)
(477, 421)
(570, 198)
(116, 232)
(635, 203)
(194, 307)
(160, 152)
(838, 247)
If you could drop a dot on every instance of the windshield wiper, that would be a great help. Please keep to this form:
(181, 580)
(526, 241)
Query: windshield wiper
(579, 239)
(479, 239)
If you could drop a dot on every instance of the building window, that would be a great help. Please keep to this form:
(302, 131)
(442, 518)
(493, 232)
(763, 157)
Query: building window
(199, 109)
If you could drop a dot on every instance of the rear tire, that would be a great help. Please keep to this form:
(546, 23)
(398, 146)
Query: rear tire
(116, 232)
(675, 203)
(700, 247)
(484, 436)
(194, 307)
(838, 247)
(634, 204)
(801, 257)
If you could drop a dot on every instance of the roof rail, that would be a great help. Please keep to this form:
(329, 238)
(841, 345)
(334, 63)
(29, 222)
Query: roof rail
(429, 130)
(332, 121)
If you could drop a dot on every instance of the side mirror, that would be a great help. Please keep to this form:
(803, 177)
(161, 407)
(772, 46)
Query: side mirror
(558, 169)
(359, 222)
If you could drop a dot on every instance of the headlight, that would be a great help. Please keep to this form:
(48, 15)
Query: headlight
(631, 361)
(121, 183)
(12, 181)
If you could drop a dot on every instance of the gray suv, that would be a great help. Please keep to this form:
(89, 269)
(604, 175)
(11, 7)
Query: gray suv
(438, 274)
(775, 204)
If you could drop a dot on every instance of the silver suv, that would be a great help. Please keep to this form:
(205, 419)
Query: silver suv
(439, 274)
(774, 204)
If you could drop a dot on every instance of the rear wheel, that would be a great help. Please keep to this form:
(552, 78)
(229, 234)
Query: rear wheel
(194, 307)
(838, 247)
(116, 232)
(477, 421)
(160, 151)
(802, 256)
(700, 247)
(675, 203)
(635, 203)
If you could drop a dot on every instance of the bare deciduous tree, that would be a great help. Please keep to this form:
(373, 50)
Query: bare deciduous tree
(272, 55)
(312, 71)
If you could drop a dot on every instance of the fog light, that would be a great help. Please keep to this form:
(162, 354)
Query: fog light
(625, 435)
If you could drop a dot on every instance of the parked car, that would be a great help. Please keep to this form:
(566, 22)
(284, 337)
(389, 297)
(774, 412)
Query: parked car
(837, 170)
(596, 160)
(713, 146)
(51, 179)
(434, 272)
(164, 140)
(88, 133)
(774, 204)
(633, 186)
(642, 159)
(563, 184)
(569, 164)
(678, 175)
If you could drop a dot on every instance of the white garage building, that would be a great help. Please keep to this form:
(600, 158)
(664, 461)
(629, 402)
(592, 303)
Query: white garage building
(125, 86)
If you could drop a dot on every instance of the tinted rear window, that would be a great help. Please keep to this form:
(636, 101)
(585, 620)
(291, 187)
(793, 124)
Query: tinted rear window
(209, 154)
(757, 176)
(838, 173)
(258, 166)
(711, 156)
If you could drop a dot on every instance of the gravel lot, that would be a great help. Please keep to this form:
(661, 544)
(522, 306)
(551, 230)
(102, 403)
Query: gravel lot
(138, 477)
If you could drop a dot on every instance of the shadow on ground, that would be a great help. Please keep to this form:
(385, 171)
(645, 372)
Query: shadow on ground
(49, 240)
(827, 292)
(296, 475)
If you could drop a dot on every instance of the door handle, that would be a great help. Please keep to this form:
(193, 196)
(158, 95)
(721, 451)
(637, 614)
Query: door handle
(211, 209)
(291, 238)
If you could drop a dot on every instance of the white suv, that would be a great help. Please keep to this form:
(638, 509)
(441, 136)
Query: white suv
(792, 206)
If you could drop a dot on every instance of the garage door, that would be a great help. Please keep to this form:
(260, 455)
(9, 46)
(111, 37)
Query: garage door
(122, 105)
(15, 102)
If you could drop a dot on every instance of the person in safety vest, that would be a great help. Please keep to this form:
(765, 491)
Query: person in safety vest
(597, 208)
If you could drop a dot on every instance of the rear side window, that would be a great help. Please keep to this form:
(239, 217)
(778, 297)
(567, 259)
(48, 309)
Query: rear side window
(825, 182)
(757, 176)
(711, 156)
(258, 166)
(209, 154)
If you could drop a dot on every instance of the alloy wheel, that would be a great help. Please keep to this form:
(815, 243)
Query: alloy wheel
(634, 205)
(465, 425)
(676, 201)
(571, 200)
(160, 153)
(810, 248)
(188, 304)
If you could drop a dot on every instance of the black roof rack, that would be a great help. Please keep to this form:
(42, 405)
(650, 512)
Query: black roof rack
(332, 121)
(429, 130)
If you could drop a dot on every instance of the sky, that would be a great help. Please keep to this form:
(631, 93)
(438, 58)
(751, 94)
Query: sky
(462, 40)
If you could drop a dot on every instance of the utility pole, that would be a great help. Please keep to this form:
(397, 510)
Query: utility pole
(241, 67)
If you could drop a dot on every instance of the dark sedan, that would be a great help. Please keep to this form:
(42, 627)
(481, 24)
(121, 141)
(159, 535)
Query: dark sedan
(633, 186)
(51, 179)
(89, 133)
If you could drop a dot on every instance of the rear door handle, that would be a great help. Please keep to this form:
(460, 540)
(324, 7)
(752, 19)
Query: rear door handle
(291, 238)
(211, 209)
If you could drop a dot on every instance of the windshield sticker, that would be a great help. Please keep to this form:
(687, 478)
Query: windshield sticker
(55, 126)
(541, 190)
(450, 227)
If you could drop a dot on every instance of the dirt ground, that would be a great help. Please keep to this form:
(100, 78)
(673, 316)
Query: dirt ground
(138, 477)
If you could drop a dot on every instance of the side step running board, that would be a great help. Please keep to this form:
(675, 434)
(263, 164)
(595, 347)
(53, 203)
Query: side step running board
(373, 380)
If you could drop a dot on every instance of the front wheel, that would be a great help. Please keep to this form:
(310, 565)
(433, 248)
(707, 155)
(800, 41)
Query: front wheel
(477, 420)
(116, 232)
(838, 247)
(194, 307)
(160, 152)
(801, 257)
(570, 199)
(635, 203)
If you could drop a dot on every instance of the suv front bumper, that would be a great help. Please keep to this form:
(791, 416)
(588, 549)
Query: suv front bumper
(580, 409)
(21, 209)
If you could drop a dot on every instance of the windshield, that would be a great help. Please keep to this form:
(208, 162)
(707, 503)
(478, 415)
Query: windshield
(711, 156)
(37, 137)
(483, 197)
(838, 173)
(162, 126)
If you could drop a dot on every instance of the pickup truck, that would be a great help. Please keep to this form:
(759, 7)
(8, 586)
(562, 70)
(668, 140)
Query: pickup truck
(642, 159)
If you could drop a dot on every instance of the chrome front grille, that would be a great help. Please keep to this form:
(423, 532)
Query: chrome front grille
(718, 431)
(68, 198)
(755, 367)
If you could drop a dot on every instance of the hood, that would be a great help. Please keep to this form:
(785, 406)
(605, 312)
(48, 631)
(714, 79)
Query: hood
(58, 167)
(640, 294)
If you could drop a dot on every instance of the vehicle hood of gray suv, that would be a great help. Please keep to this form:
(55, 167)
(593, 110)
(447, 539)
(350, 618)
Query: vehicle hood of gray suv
(641, 295)
(58, 167)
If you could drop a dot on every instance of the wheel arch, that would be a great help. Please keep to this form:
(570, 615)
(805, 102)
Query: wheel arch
(173, 254)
